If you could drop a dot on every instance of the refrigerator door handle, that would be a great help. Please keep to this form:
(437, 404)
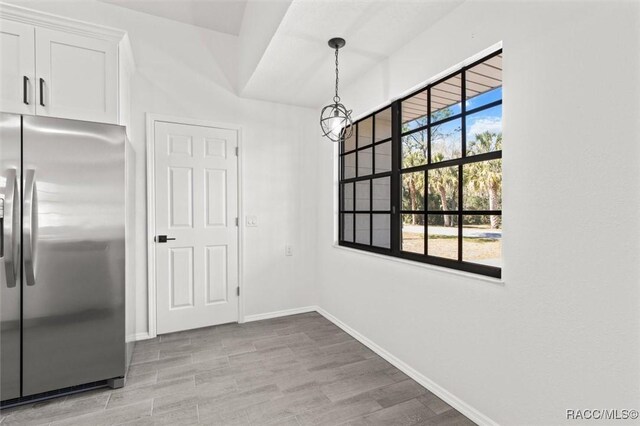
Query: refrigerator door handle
(30, 227)
(9, 243)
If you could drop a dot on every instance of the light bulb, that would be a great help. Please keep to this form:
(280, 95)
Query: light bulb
(335, 124)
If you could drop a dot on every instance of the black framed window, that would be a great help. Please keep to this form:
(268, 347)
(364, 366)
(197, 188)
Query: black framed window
(421, 178)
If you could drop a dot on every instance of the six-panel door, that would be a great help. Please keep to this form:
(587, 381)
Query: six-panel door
(197, 204)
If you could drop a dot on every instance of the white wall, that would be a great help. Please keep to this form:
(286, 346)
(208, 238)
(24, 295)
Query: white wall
(190, 72)
(563, 330)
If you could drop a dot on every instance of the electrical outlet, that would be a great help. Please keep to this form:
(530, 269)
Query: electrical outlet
(252, 221)
(288, 250)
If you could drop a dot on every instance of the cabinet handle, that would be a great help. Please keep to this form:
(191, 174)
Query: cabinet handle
(41, 92)
(25, 88)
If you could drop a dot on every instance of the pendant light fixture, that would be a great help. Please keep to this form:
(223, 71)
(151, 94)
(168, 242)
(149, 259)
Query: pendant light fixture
(335, 118)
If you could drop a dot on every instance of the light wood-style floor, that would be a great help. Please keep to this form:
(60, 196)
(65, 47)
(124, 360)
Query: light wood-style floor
(296, 370)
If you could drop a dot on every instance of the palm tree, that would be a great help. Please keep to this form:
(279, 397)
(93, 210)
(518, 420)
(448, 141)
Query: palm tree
(485, 142)
(413, 183)
(486, 176)
(443, 180)
(414, 153)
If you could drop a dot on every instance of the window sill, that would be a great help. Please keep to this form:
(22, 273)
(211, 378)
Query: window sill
(477, 277)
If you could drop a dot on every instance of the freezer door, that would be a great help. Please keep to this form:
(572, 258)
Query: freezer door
(73, 253)
(9, 256)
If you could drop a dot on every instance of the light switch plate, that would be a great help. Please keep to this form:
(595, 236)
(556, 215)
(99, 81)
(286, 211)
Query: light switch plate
(252, 221)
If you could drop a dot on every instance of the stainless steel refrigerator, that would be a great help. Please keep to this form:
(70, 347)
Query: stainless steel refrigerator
(62, 269)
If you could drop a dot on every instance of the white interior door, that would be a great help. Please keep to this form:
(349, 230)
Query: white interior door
(77, 77)
(17, 68)
(196, 188)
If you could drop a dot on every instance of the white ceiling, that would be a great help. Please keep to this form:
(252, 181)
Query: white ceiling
(224, 16)
(297, 66)
(282, 50)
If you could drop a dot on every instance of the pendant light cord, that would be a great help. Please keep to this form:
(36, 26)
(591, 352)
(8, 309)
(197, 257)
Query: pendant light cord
(336, 98)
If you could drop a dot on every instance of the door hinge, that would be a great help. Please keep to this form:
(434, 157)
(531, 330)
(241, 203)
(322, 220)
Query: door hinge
(238, 291)
(237, 221)
(237, 150)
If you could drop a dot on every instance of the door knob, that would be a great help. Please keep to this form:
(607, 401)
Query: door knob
(162, 239)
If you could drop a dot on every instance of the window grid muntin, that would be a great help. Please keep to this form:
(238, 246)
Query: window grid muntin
(397, 172)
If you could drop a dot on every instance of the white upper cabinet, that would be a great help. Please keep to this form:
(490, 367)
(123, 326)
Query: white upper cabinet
(77, 76)
(17, 68)
(57, 67)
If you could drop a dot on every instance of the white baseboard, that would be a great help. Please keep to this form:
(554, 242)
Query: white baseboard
(284, 313)
(145, 335)
(142, 336)
(473, 414)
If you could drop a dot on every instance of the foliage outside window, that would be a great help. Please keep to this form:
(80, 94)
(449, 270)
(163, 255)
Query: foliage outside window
(421, 178)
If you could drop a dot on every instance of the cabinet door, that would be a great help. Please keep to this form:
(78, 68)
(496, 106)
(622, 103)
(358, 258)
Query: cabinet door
(17, 68)
(77, 77)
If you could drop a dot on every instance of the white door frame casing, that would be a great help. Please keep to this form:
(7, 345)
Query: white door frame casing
(151, 213)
